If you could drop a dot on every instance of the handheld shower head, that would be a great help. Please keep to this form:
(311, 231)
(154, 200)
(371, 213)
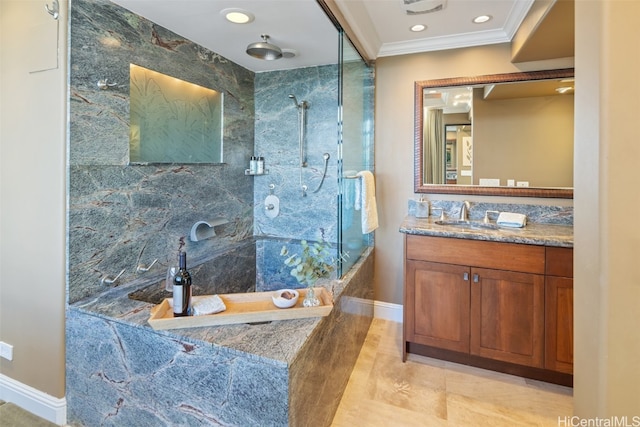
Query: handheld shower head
(295, 100)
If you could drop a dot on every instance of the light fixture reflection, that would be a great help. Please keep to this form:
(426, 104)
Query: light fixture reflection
(564, 89)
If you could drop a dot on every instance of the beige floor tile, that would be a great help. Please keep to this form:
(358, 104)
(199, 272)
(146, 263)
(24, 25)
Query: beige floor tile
(509, 391)
(464, 411)
(384, 391)
(408, 385)
(372, 413)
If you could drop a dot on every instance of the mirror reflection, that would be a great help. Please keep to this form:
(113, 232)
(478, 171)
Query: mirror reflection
(172, 120)
(502, 134)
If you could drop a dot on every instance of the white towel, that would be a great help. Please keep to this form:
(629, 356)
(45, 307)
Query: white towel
(509, 219)
(366, 200)
(349, 198)
(208, 304)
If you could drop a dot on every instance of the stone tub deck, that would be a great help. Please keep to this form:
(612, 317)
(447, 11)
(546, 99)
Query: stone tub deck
(120, 371)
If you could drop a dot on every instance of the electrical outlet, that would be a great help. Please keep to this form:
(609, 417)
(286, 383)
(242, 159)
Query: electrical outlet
(489, 182)
(6, 350)
(522, 183)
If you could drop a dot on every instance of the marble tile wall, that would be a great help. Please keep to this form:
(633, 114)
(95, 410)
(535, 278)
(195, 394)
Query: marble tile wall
(277, 139)
(120, 215)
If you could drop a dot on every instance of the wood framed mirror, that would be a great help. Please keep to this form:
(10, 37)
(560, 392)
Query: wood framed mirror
(555, 177)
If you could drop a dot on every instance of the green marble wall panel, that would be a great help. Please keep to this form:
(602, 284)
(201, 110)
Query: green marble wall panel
(121, 215)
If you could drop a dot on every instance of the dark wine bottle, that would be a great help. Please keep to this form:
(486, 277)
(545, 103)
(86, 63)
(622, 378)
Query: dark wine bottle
(182, 289)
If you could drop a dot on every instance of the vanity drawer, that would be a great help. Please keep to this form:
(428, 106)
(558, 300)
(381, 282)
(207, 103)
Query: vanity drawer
(559, 262)
(476, 253)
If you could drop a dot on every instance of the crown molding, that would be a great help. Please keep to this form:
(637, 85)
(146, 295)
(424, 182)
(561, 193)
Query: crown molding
(443, 43)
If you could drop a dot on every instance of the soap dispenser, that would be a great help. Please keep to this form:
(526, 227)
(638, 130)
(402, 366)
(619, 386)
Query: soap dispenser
(422, 208)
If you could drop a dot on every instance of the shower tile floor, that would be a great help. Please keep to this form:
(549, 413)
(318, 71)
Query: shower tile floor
(383, 391)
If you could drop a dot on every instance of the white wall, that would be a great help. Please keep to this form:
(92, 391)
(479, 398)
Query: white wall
(32, 195)
(607, 202)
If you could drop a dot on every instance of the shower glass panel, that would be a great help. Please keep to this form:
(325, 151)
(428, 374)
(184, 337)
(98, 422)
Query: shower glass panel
(356, 148)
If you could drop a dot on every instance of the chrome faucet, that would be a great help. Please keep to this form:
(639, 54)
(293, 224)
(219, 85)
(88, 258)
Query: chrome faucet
(464, 211)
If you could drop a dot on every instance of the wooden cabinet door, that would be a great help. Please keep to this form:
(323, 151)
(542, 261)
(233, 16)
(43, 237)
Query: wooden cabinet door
(559, 324)
(436, 309)
(507, 316)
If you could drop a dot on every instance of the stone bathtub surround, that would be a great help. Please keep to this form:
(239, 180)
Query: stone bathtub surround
(293, 372)
(253, 265)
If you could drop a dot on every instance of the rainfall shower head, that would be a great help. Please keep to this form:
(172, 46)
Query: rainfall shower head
(264, 49)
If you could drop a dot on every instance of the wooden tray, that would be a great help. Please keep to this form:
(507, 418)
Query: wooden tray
(242, 308)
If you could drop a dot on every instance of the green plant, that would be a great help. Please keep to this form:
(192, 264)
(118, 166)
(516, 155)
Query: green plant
(313, 263)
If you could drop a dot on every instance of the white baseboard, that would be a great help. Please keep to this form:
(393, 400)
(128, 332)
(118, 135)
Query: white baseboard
(35, 401)
(387, 311)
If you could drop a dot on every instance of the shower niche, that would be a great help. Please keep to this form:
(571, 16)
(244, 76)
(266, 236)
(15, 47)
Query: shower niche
(172, 120)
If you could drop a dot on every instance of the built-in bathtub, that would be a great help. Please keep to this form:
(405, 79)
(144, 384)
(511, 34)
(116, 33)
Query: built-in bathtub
(254, 265)
(122, 372)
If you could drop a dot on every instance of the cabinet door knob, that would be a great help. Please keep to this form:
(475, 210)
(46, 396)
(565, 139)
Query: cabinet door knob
(476, 278)
(465, 276)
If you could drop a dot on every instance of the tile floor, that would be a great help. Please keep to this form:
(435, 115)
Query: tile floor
(383, 391)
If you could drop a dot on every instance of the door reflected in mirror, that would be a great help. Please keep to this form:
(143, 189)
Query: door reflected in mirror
(501, 134)
(459, 154)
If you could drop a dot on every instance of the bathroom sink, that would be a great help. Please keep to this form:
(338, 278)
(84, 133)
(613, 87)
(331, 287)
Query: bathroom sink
(473, 225)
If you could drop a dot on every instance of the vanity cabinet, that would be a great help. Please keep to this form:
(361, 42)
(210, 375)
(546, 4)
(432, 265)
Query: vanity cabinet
(559, 310)
(437, 305)
(483, 303)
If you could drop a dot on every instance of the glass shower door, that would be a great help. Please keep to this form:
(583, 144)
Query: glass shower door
(355, 145)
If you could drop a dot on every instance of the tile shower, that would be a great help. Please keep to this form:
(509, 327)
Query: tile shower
(119, 371)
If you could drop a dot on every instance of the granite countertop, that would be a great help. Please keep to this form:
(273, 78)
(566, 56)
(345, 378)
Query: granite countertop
(531, 234)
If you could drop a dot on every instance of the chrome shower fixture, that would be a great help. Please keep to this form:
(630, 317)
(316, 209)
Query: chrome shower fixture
(302, 104)
(302, 121)
(264, 49)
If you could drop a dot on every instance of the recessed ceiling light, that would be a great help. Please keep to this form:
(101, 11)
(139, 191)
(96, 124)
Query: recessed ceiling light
(418, 27)
(237, 16)
(481, 19)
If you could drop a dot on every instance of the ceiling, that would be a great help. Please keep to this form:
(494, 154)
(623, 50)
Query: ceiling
(384, 25)
(381, 26)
